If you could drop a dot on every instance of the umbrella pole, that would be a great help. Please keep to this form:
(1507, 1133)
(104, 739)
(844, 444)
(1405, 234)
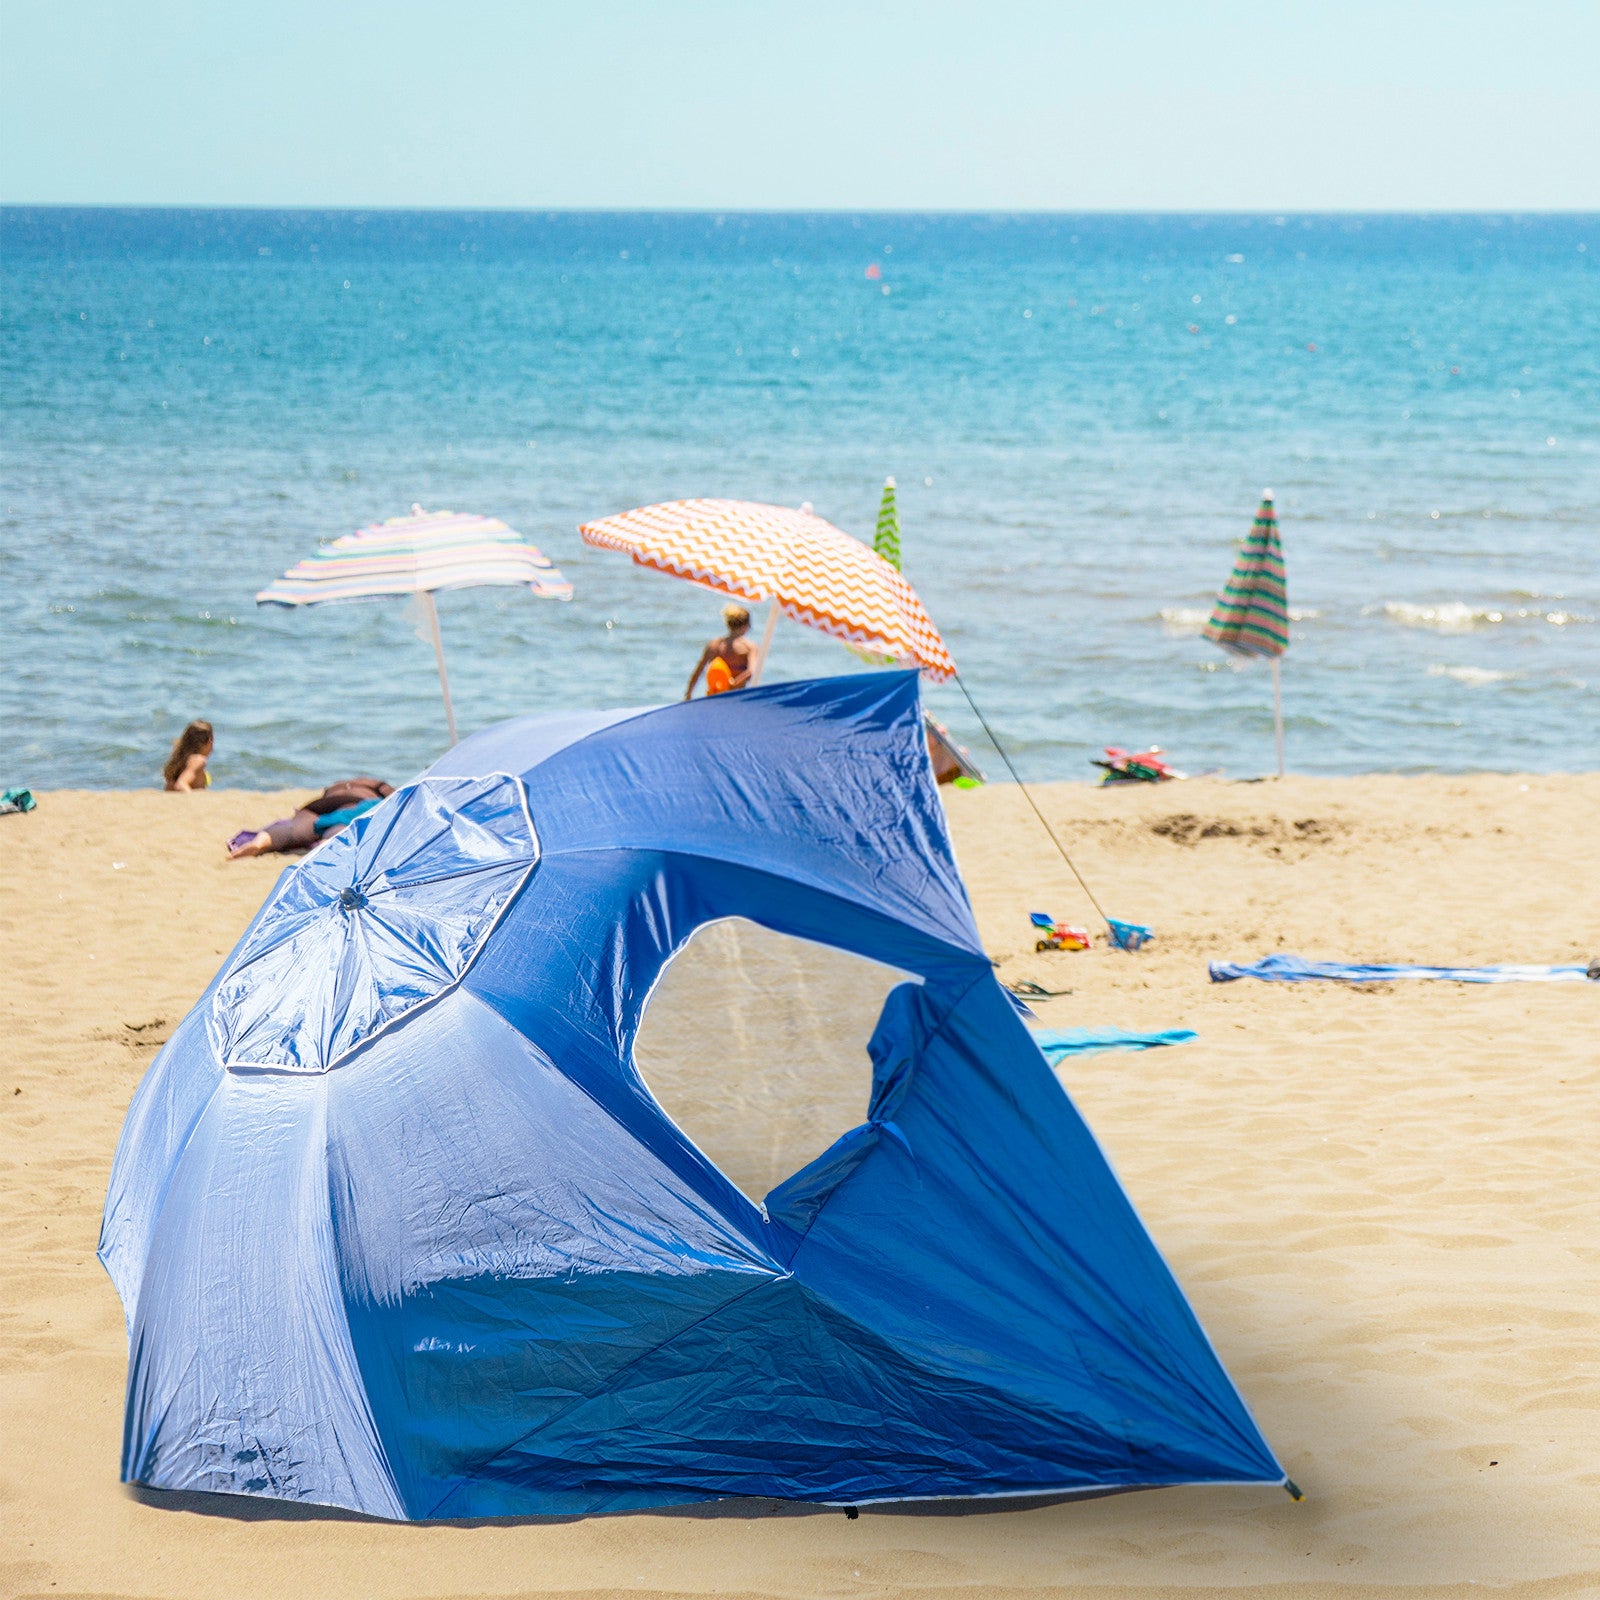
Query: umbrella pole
(426, 597)
(766, 644)
(1277, 709)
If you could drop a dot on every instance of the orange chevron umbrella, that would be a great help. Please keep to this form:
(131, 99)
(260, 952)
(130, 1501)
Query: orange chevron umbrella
(814, 573)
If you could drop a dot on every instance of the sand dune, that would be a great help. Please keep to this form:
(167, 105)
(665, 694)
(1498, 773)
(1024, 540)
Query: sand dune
(1384, 1204)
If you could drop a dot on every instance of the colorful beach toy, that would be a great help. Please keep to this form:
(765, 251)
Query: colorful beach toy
(1059, 935)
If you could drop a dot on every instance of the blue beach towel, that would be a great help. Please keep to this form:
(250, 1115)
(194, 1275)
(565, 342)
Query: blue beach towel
(1058, 1043)
(1296, 969)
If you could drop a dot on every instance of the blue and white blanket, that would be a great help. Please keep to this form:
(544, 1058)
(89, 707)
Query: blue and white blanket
(1296, 969)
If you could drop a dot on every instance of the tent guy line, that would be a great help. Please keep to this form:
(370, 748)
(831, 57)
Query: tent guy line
(1027, 795)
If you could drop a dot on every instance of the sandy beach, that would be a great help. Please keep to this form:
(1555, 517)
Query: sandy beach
(1383, 1203)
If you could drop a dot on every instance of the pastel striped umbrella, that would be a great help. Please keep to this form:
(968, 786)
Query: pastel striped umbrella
(417, 555)
(1251, 616)
(813, 572)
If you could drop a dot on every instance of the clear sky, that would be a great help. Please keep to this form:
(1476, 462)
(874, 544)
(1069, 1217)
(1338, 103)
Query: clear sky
(1119, 104)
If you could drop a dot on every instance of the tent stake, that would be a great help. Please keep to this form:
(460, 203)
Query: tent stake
(426, 597)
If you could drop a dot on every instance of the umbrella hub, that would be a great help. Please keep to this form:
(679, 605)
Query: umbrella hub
(386, 916)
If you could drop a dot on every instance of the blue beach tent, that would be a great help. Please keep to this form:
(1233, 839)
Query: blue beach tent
(399, 1227)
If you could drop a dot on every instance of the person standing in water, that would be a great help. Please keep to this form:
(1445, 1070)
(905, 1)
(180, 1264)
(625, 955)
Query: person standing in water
(186, 766)
(727, 662)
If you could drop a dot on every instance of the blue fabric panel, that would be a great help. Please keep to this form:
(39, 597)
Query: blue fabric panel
(504, 1246)
(847, 1417)
(796, 1202)
(899, 1038)
(1059, 1043)
(521, 744)
(1296, 969)
(1007, 1248)
(241, 1376)
(170, 1099)
(580, 952)
(824, 782)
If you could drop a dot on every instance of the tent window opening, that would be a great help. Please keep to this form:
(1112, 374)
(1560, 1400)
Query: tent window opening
(755, 1044)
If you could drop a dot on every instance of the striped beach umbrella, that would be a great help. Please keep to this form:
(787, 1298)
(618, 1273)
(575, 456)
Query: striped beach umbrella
(886, 540)
(416, 555)
(809, 569)
(1251, 616)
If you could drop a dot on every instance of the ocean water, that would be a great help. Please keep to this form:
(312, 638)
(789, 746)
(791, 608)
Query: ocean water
(1080, 411)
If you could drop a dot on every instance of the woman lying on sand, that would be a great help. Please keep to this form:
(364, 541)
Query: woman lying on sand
(186, 766)
(340, 803)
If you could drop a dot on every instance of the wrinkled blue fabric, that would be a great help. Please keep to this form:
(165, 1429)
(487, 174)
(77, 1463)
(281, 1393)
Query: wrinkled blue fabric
(1296, 969)
(1059, 1043)
(398, 1226)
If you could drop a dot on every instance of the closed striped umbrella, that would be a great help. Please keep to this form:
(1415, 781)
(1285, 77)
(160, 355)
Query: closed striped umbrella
(886, 540)
(815, 574)
(1251, 616)
(417, 555)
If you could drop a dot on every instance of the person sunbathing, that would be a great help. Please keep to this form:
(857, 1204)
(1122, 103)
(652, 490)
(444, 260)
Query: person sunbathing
(336, 807)
(186, 766)
(727, 662)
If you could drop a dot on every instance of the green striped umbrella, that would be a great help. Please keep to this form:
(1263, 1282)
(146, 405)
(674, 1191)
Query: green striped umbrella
(886, 541)
(1251, 616)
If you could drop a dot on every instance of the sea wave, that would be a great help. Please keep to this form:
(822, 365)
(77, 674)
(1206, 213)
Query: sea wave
(1183, 620)
(1476, 676)
(1451, 617)
(1455, 616)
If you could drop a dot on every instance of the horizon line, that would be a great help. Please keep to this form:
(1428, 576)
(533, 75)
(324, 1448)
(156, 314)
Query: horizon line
(345, 208)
